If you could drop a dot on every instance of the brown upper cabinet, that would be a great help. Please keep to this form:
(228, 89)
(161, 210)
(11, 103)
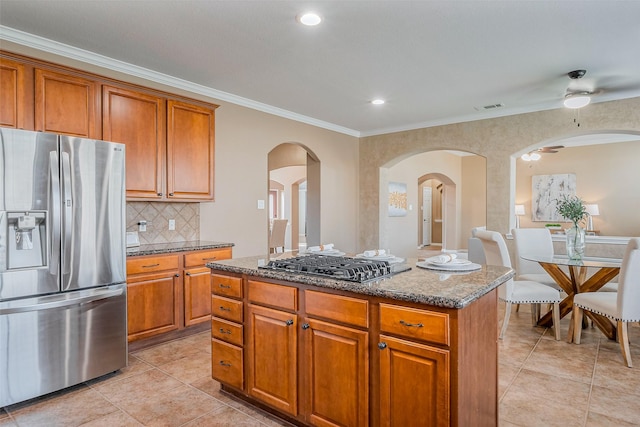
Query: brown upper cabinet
(138, 121)
(170, 140)
(66, 104)
(12, 94)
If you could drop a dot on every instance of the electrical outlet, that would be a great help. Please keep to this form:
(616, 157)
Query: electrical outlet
(172, 224)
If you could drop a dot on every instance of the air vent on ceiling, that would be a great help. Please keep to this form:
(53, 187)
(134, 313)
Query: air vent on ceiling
(490, 107)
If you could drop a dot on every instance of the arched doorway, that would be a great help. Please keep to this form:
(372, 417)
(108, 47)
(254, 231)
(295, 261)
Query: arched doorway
(294, 172)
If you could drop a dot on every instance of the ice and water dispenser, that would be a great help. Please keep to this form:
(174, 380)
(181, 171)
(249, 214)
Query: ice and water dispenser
(26, 239)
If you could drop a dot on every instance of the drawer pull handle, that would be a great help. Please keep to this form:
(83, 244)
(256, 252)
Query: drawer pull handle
(382, 345)
(223, 363)
(418, 325)
(305, 326)
(224, 308)
(206, 259)
(225, 331)
(150, 266)
(224, 286)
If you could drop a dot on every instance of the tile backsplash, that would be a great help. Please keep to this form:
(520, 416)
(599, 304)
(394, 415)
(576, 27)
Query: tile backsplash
(157, 215)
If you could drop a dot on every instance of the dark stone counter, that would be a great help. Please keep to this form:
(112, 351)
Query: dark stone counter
(164, 248)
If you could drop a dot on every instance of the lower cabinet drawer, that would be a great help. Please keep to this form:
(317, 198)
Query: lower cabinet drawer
(226, 285)
(423, 325)
(226, 331)
(226, 363)
(226, 308)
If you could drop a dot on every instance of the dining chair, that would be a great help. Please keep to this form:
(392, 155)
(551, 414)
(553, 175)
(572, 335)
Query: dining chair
(533, 242)
(518, 291)
(276, 238)
(622, 306)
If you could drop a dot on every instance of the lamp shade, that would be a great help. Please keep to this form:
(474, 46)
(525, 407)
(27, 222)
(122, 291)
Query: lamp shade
(519, 210)
(577, 100)
(592, 210)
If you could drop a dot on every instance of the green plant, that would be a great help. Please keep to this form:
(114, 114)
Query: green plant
(571, 208)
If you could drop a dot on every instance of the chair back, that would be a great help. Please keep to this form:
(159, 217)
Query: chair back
(532, 242)
(629, 284)
(496, 253)
(278, 230)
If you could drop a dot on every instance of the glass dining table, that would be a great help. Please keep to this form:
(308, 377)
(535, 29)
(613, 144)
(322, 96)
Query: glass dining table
(577, 281)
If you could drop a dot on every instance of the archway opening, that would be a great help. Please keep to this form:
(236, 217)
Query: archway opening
(294, 194)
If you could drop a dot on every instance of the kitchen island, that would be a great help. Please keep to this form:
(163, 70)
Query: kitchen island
(418, 348)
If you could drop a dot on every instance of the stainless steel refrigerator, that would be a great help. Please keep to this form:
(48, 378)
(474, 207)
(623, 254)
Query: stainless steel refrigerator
(63, 302)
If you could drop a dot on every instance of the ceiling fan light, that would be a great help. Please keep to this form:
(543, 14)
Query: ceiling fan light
(535, 156)
(577, 100)
(526, 157)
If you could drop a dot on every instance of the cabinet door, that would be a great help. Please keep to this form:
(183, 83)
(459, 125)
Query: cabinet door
(190, 148)
(137, 120)
(152, 304)
(272, 367)
(12, 94)
(337, 360)
(414, 384)
(197, 295)
(66, 104)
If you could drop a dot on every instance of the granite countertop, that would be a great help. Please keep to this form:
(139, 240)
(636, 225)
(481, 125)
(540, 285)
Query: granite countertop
(441, 289)
(164, 248)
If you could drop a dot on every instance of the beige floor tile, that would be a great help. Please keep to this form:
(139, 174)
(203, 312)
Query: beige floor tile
(119, 419)
(200, 341)
(612, 373)
(615, 404)
(212, 388)
(225, 417)
(599, 420)
(564, 360)
(506, 374)
(73, 407)
(144, 385)
(7, 422)
(521, 408)
(514, 351)
(189, 369)
(172, 408)
(550, 387)
(135, 366)
(168, 352)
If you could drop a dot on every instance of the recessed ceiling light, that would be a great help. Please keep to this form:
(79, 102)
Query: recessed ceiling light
(377, 101)
(309, 19)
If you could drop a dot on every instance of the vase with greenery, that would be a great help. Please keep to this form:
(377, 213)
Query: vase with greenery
(573, 209)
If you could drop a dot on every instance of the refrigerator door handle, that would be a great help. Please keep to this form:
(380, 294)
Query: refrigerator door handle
(55, 212)
(67, 213)
(61, 303)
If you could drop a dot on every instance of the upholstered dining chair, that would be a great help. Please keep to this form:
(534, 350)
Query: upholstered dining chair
(276, 238)
(518, 291)
(622, 306)
(533, 242)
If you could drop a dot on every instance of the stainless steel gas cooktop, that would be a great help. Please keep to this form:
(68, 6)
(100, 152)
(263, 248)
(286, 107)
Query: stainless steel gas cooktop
(337, 267)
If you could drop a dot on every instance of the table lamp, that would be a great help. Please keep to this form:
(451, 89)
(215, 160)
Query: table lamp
(592, 210)
(519, 211)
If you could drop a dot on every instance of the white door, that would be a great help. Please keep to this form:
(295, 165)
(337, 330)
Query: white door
(426, 216)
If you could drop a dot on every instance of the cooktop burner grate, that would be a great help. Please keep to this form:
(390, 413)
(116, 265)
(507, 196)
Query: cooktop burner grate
(344, 268)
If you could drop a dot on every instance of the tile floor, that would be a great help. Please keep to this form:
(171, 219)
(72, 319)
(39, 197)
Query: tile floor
(541, 382)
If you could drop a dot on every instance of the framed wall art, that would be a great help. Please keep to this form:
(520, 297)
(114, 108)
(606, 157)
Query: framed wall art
(397, 199)
(545, 191)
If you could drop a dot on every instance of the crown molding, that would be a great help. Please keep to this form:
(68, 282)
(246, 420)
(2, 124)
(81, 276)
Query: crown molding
(50, 46)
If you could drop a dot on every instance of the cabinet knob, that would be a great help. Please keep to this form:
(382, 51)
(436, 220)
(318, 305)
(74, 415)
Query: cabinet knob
(305, 326)
(382, 345)
(177, 275)
(417, 325)
(160, 194)
(170, 194)
(289, 322)
(188, 274)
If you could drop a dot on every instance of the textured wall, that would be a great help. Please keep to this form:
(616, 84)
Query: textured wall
(495, 139)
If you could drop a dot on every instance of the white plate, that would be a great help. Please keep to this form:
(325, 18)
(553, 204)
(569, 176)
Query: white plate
(455, 261)
(377, 257)
(330, 252)
(449, 266)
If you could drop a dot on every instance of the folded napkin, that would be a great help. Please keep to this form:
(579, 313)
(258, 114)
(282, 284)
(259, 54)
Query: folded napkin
(375, 252)
(321, 248)
(442, 259)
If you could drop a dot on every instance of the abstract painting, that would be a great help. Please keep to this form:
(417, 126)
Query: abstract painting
(546, 190)
(397, 199)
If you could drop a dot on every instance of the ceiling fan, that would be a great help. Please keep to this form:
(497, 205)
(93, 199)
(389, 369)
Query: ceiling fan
(535, 154)
(550, 149)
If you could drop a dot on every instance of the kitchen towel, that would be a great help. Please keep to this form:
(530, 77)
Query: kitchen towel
(321, 248)
(373, 253)
(442, 259)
